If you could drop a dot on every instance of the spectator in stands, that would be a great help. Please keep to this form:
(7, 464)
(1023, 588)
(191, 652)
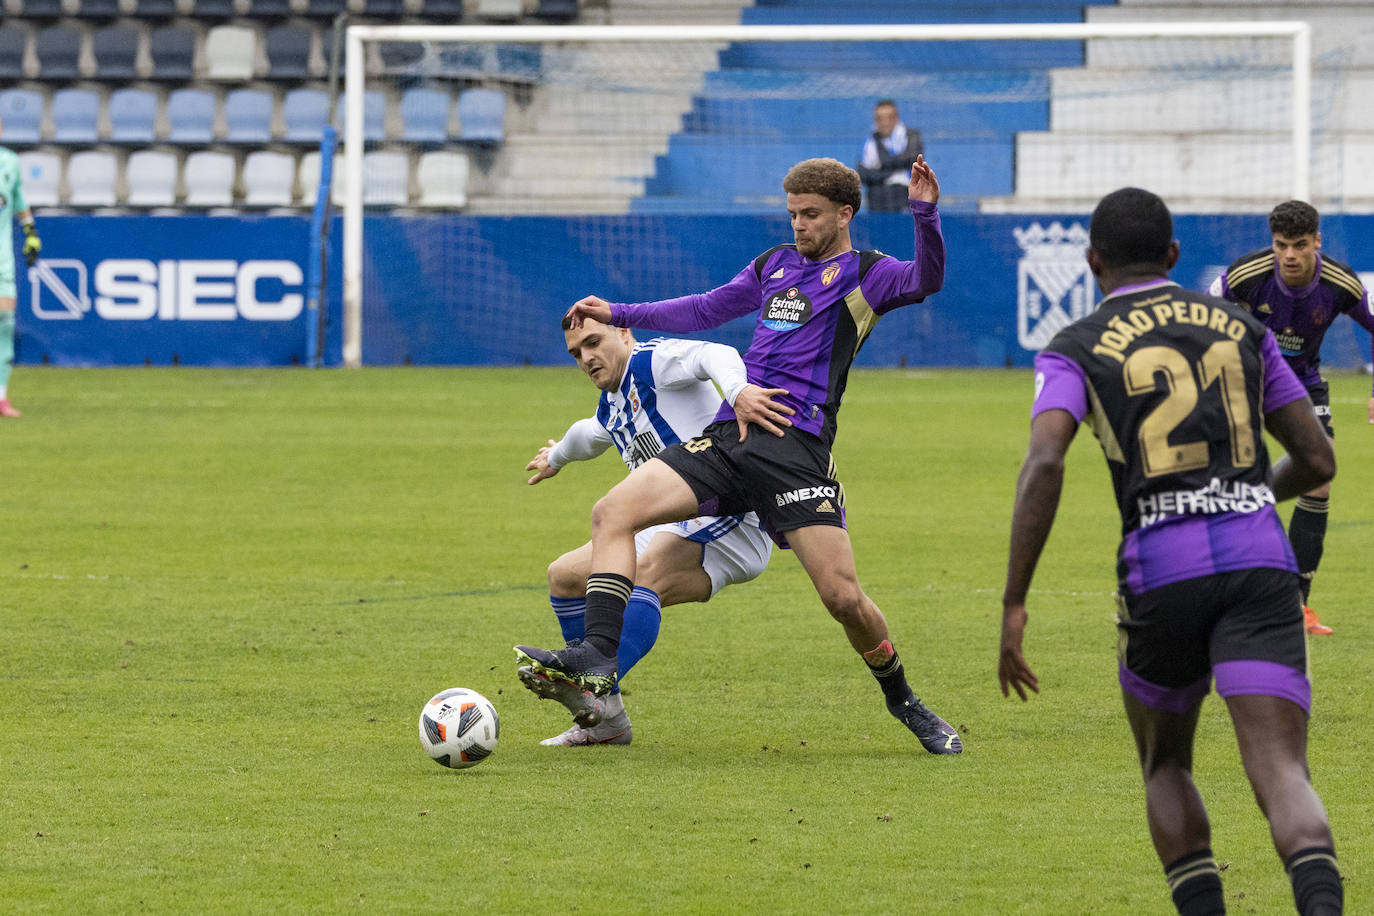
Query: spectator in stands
(12, 206)
(885, 164)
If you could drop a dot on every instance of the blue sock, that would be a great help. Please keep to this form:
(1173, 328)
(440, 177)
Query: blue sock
(640, 631)
(571, 614)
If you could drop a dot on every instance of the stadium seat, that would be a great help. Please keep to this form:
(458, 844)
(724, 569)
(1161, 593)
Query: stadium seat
(133, 116)
(308, 177)
(209, 179)
(212, 9)
(557, 10)
(374, 115)
(91, 179)
(482, 115)
(424, 115)
(324, 9)
(75, 116)
(41, 173)
(305, 113)
(115, 49)
(504, 10)
(21, 114)
(288, 52)
(450, 11)
(151, 176)
(400, 56)
(191, 116)
(230, 52)
(386, 179)
(58, 49)
(441, 178)
(155, 9)
(383, 9)
(40, 9)
(269, 9)
(248, 116)
(268, 178)
(12, 42)
(97, 9)
(173, 51)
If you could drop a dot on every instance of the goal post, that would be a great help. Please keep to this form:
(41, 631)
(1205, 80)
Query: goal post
(1294, 38)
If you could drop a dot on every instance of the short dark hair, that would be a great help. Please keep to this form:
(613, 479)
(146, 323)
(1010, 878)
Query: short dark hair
(1293, 218)
(881, 102)
(1131, 226)
(830, 178)
(566, 323)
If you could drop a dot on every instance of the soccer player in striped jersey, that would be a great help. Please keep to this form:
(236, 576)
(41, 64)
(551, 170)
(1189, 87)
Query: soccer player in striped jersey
(1178, 388)
(1297, 292)
(12, 207)
(653, 395)
(817, 300)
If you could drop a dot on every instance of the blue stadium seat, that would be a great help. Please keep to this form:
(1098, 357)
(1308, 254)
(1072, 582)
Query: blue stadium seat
(97, 9)
(324, 9)
(269, 9)
(173, 50)
(400, 56)
(449, 11)
(482, 115)
(424, 115)
(305, 113)
(40, 9)
(248, 116)
(374, 115)
(115, 49)
(58, 49)
(133, 116)
(557, 10)
(12, 42)
(21, 113)
(154, 9)
(212, 9)
(75, 116)
(191, 116)
(383, 9)
(288, 52)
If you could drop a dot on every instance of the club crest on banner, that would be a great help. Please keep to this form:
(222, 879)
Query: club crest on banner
(1054, 286)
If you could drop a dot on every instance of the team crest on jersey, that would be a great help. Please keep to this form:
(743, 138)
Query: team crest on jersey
(787, 311)
(829, 274)
(1054, 286)
(634, 402)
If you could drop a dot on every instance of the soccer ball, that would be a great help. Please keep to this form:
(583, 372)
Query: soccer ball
(458, 728)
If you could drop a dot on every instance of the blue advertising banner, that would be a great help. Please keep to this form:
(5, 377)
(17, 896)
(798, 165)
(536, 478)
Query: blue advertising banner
(449, 289)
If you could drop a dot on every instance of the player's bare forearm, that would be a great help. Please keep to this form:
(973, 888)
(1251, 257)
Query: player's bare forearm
(924, 185)
(756, 405)
(593, 307)
(1310, 461)
(1037, 500)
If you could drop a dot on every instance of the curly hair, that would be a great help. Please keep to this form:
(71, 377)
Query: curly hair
(1293, 218)
(829, 178)
(1131, 226)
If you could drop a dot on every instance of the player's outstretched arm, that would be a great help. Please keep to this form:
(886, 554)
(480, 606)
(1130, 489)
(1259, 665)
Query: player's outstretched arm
(593, 307)
(924, 185)
(756, 405)
(540, 464)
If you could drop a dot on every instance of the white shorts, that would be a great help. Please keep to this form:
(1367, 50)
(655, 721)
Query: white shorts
(734, 548)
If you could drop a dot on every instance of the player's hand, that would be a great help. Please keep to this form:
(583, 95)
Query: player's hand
(32, 244)
(593, 307)
(1012, 670)
(540, 465)
(756, 405)
(924, 185)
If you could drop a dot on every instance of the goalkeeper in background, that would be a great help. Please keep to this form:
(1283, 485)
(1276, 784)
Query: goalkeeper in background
(12, 206)
(1297, 292)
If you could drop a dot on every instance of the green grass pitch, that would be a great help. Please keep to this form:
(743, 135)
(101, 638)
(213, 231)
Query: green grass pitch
(225, 595)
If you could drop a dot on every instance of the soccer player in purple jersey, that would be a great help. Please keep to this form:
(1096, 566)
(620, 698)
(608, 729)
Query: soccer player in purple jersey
(817, 299)
(1297, 292)
(1177, 386)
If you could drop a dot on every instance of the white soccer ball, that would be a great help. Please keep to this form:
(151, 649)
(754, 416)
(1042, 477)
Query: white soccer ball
(458, 728)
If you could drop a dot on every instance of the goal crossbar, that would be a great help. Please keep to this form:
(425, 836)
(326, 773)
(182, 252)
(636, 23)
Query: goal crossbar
(1299, 33)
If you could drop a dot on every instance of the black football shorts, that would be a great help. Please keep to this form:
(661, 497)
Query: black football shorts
(788, 480)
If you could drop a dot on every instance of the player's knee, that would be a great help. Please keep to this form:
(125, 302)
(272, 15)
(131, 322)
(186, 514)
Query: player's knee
(844, 600)
(609, 513)
(564, 580)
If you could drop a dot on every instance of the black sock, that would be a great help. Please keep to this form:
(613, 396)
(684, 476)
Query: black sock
(1195, 882)
(1307, 533)
(889, 672)
(1316, 881)
(607, 595)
